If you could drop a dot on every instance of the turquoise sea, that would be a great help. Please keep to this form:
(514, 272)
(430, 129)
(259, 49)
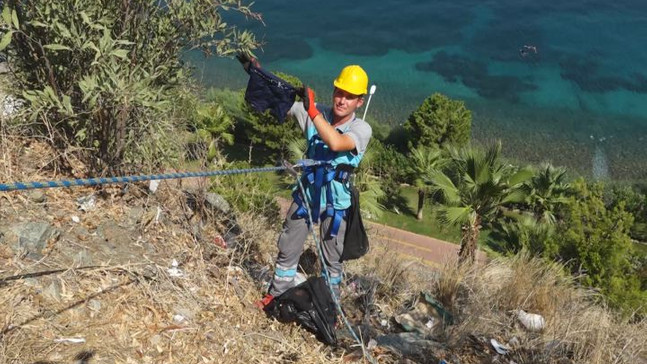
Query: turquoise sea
(561, 81)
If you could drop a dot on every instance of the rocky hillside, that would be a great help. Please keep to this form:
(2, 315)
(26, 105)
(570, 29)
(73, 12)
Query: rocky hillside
(134, 274)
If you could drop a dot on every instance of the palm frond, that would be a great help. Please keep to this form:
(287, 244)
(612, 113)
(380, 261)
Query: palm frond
(454, 215)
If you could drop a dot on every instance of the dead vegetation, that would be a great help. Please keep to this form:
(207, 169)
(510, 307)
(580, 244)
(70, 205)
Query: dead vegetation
(109, 281)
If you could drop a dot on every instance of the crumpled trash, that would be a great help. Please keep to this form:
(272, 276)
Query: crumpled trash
(87, 203)
(76, 219)
(174, 271)
(153, 184)
(500, 348)
(531, 321)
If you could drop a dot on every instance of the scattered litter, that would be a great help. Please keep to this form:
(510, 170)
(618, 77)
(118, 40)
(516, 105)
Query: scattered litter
(152, 186)
(178, 318)
(73, 340)
(431, 323)
(531, 321)
(87, 203)
(384, 323)
(372, 344)
(76, 219)
(500, 348)
(158, 214)
(174, 271)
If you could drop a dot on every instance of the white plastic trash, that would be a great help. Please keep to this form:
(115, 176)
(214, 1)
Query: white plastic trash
(152, 186)
(531, 321)
(499, 348)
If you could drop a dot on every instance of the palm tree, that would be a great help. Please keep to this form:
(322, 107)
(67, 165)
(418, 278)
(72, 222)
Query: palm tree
(423, 160)
(473, 188)
(546, 190)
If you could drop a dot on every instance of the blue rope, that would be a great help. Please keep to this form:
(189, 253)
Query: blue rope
(127, 179)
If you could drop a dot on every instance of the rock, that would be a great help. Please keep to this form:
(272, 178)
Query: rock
(135, 215)
(218, 202)
(37, 196)
(30, 238)
(212, 200)
(407, 343)
(53, 290)
(114, 235)
(94, 305)
(83, 258)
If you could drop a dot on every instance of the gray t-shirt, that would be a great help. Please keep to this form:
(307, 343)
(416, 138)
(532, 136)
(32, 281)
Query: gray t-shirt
(355, 128)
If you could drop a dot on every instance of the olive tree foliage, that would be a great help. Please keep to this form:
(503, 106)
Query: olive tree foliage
(439, 122)
(102, 77)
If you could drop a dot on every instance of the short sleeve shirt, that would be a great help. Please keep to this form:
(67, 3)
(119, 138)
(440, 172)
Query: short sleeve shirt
(359, 130)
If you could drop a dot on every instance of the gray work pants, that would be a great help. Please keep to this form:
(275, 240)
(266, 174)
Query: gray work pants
(291, 242)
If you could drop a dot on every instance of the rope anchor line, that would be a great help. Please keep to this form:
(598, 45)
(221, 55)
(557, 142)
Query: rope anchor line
(14, 186)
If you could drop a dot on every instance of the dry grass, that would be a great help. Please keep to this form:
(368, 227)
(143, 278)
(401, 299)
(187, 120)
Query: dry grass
(577, 329)
(129, 309)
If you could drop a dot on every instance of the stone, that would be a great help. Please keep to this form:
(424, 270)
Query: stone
(37, 196)
(83, 258)
(30, 238)
(218, 202)
(53, 290)
(407, 343)
(135, 215)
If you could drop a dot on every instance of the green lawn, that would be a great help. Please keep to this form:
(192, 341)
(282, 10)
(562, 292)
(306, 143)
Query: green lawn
(429, 225)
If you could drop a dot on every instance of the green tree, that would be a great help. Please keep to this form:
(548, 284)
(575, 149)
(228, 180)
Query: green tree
(103, 76)
(546, 190)
(473, 188)
(595, 242)
(439, 122)
(422, 162)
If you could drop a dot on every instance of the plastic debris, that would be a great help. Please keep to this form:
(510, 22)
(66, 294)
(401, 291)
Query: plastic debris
(178, 318)
(76, 219)
(87, 203)
(500, 348)
(372, 344)
(152, 186)
(531, 321)
(73, 340)
(174, 271)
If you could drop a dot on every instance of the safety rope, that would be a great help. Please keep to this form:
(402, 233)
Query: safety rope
(366, 354)
(127, 179)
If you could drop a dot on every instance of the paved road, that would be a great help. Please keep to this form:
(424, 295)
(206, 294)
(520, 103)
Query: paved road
(432, 251)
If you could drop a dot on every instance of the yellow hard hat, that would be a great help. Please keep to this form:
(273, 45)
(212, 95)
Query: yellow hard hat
(352, 79)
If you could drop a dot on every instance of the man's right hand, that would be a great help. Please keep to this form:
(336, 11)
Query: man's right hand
(308, 98)
(246, 59)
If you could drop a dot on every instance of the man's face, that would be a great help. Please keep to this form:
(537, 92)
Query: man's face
(345, 103)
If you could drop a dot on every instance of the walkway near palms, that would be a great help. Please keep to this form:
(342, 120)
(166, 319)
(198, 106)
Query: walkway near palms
(430, 250)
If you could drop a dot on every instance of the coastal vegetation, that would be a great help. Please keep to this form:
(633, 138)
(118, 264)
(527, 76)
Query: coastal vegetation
(106, 90)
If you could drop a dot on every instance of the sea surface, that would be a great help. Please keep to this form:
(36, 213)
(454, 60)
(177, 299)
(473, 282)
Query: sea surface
(559, 81)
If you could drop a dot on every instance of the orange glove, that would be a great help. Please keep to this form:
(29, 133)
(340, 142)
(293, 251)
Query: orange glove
(308, 97)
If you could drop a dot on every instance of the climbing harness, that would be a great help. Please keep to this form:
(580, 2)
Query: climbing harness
(324, 270)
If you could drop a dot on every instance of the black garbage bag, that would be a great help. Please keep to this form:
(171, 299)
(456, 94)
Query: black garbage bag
(311, 305)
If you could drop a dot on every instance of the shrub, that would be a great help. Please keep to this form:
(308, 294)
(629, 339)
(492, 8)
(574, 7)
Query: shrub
(439, 122)
(102, 77)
